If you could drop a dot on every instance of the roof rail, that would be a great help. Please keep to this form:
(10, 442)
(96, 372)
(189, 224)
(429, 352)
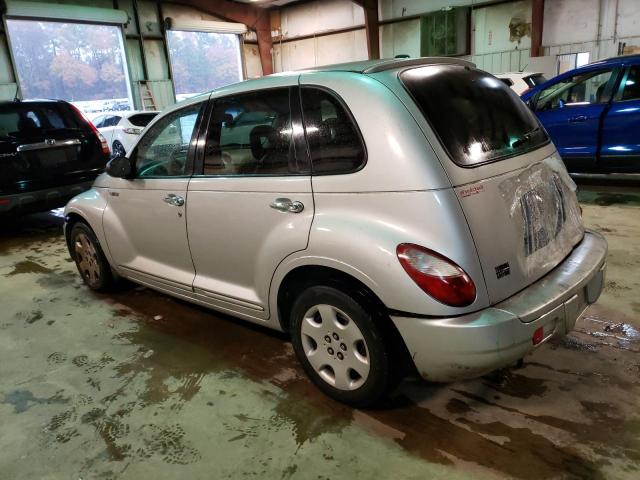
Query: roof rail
(394, 63)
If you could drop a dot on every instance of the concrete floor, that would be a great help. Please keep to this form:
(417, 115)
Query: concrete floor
(138, 385)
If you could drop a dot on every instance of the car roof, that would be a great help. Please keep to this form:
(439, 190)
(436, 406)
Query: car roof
(33, 100)
(361, 67)
(373, 66)
(615, 60)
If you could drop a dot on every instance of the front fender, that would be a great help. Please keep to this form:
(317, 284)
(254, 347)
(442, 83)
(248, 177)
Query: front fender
(90, 206)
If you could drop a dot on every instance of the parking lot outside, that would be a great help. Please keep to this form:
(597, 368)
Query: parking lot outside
(138, 384)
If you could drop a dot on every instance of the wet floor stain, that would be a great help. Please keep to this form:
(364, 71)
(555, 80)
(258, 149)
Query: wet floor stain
(153, 382)
(609, 198)
(27, 266)
(23, 400)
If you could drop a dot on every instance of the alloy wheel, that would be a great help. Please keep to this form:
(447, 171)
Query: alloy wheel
(335, 347)
(87, 258)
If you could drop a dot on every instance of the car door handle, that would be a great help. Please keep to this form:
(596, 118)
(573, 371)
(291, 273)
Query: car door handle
(286, 205)
(578, 119)
(173, 199)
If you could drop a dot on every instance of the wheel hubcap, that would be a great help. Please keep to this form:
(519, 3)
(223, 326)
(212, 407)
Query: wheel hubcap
(87, 258)
(335, 347)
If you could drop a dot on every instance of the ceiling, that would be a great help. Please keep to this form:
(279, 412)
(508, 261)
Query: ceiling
(267, 3)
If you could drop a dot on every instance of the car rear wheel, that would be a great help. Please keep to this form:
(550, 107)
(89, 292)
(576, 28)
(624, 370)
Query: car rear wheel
(90, 259)
(340, 346)
(118, 150)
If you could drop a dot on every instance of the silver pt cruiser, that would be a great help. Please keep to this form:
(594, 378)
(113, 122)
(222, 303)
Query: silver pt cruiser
(383, 213)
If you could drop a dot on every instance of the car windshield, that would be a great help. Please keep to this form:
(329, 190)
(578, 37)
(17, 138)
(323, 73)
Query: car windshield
(142, 119)
(22, 120)
(477, 118)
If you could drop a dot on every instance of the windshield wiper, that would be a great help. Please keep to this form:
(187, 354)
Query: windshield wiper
(524, 138)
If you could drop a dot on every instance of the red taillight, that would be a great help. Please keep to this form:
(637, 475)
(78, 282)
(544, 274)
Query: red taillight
(438, 276)
(538, 336)
(103, 141)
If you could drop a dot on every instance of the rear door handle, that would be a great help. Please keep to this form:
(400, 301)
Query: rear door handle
(173, 199)
(578, 119)
(286, 205)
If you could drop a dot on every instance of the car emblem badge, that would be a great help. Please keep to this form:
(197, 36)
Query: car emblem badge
(503, 270)
(50, 141)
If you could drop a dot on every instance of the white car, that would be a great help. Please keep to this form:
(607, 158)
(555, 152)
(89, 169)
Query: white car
(520, 82)
(122, 129)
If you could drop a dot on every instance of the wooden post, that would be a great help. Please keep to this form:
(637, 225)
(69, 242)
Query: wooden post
(537, 22)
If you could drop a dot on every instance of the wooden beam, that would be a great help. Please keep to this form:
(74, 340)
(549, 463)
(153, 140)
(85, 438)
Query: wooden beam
(537, 22)
(255, 18)
(372, 24)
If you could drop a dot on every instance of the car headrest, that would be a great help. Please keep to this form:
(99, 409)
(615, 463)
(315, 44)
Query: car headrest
(263, 138)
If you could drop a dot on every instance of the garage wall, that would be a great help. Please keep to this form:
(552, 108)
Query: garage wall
(158, 68)
(571, 26)
(302, 39)
(491, 43)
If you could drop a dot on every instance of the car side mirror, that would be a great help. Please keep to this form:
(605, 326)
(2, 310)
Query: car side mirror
(119, 167)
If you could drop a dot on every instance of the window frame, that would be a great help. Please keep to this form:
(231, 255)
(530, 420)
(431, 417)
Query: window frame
(617, 97)
(610, 89)
(195, 135)
(354, 123)
(299, 144)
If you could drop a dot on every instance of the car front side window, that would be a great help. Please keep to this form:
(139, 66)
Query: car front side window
(582, 89)
(164, 150)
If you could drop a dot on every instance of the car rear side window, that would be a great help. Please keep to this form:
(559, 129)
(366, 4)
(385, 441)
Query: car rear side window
(477, 118)
(631, 87)
(334, 141)
(141, 119)
(251, 134)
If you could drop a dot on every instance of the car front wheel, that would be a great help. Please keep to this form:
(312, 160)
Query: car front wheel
(90, 260)
(340, 346)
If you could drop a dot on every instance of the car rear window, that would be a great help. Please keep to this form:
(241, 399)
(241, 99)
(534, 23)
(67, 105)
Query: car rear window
(477, 118)
(142, 119)
(534, 80)
(19, 120)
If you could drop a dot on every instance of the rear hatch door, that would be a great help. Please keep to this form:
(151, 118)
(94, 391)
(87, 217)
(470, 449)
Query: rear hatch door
(517, 197)
(45, 144)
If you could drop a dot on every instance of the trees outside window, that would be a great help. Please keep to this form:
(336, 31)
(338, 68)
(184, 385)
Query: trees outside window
(77, 62)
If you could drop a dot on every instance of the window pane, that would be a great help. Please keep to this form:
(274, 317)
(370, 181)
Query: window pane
(203, 61)
(476, 117)
(582, 89)
(25, 119)
(163, 151)
(334, 142)
(251, 135)
(632, 85)
(77, 62)
(141, 119)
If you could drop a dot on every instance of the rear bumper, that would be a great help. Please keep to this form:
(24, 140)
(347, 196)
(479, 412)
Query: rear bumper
(448, 349)
(40, 200)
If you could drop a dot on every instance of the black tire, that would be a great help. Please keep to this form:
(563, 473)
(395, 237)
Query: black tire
(91, 262)
(118, 150)
(378, 380)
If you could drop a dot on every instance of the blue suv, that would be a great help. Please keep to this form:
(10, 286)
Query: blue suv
(592, 114)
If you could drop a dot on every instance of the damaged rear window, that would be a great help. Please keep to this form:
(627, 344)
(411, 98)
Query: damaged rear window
(477, 118)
